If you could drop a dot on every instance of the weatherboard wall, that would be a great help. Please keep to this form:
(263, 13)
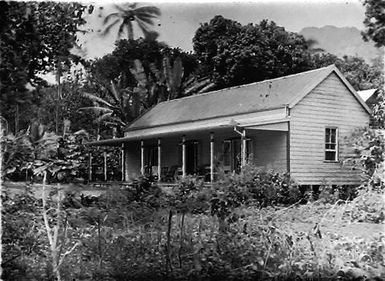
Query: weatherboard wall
(329, 104)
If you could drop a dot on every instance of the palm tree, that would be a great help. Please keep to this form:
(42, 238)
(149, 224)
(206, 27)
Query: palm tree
(126, 15)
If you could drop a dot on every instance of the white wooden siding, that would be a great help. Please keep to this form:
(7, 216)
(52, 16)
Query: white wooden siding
(329, 104)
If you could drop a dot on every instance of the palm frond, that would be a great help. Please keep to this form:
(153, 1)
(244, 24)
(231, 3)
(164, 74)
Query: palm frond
(198, 86)
(108, 28)
(107, 18)
(118, 121)
(148, 10)
(207, 88)
(94, 98)
(144, 15)
(123, 9)
(143, 27)
(103, 117)
(96, 109)
(189, 82)
(115, 92)
(145, 20)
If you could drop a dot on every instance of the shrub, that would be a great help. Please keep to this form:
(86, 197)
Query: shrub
(264, 187)
(369, 146)
(368, 206)
(190, 196)
(23, 239)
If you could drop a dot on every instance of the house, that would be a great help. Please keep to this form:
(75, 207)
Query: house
(297, 124)
(366, 94)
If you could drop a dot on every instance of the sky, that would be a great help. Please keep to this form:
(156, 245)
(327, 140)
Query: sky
(180, 20)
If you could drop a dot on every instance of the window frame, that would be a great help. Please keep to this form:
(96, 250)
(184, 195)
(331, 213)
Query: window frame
(336, 143)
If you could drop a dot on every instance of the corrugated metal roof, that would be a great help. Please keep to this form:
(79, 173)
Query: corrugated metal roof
(259, 96)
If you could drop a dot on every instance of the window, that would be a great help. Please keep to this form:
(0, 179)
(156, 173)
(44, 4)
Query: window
(331, 144)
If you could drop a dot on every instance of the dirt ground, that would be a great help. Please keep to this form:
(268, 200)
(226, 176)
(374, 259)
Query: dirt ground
(19, 187)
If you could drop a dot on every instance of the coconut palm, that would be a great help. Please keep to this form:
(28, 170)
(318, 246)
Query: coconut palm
(126, 14)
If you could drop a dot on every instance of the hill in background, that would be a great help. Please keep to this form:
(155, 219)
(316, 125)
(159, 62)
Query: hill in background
(342, 41)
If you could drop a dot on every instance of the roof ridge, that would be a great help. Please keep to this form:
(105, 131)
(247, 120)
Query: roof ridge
(250, 84)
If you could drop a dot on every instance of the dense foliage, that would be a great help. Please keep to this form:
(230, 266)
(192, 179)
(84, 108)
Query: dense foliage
(361, 75)
(37, 149)
(233, 54)
(374, 21)
(35, 37)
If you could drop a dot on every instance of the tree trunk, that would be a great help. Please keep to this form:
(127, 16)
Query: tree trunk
(52, 233)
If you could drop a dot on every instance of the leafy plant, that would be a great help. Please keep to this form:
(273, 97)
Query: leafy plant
(369, 147)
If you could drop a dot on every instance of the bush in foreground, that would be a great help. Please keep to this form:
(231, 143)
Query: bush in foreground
(194, 233)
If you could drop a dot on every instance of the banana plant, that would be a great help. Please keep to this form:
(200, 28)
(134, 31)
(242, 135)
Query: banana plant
(177, 85)
(117, 109)
(122, 105)
(22, 150)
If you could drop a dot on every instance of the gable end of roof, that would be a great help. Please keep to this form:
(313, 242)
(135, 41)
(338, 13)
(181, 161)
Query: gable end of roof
(333, 69)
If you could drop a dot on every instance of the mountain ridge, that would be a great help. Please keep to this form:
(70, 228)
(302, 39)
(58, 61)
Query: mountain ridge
(342, 41)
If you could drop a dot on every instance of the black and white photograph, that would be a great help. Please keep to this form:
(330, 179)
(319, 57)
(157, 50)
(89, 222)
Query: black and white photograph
(192, 140)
